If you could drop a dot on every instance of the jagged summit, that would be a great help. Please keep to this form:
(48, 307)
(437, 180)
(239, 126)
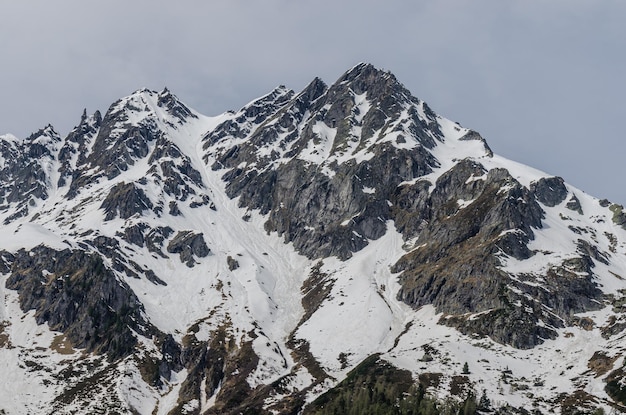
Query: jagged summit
(285, 257)
(365, 78)
(145, 103)
(48, 132)
(363, 132)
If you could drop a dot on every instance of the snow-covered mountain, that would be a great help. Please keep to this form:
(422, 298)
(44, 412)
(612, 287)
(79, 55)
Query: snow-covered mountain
(339, 250)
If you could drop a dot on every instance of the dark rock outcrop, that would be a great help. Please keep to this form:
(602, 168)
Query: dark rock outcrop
(74, 292)
(233, 264)
(125, 135)
(474, 135)
(550, 191)
(456, 266)
(141, 234)
(155, 238)
(574, 204)
(74, 152)
(330, 208)
(173, 170)
(188, 244)
(173, 106)
(319, 167)
(330, 169)
(6, 259)
(24, 173)
(125, 200)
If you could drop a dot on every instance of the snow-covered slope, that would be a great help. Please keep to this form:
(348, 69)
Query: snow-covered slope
(156, 260)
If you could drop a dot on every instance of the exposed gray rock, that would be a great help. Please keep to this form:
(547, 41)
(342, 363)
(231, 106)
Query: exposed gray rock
(221, 365)
(456, 267)
(174, 107)
(589, 252)
(507, 325)
(411, 208)
(119, 141)
(110, 248)
(141, 234)
(173, 209)
(174, 170)
(249, 117)
(75, 293)
(464, 224)
(203, 200)
(25, 178)
(550, 191)
(188, 244)
(74, 152)
(233, 264)
(473, 135)
(527, 319)
(155, 237)
(574, 204)
(125, 200)
(115, 148)
(326, 214)
(369, 174)
(6, 259)
(134, 234)
(453, 264)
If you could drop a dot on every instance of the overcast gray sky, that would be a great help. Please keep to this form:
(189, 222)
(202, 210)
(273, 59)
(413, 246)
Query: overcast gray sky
(541, 80)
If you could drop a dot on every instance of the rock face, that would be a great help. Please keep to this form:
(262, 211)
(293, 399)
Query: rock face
(458, 263)
(25, 171)
(347, 158)
(456, 267)
(313, 252)
(333, 163)
(188, 244)
(549, 191)
(75, 150)
(125, 200)
(74, 293)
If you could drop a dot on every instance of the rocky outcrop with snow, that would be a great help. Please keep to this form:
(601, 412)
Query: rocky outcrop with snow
(289, 255)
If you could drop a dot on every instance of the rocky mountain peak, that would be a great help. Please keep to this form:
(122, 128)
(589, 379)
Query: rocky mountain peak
(44, 141)
(86, 119)
(169, 102)
(26, 167)
(260, 109)
(145, 105)
(47, 132)
(365, 77)
(315, 89)
(77, 147)
(127, 133)
(230, 264)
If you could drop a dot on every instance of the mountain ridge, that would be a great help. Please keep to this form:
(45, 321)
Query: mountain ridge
(252, 260)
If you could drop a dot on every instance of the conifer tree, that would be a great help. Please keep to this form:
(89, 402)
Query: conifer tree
(466, 370)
